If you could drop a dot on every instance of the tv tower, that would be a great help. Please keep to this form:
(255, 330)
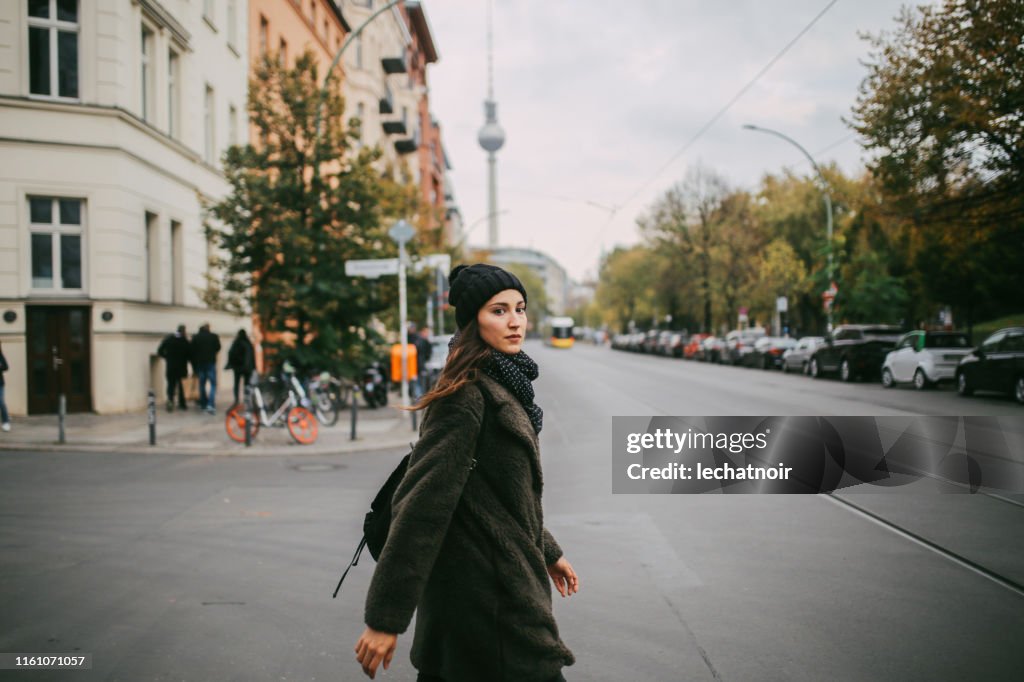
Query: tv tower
(491, 136)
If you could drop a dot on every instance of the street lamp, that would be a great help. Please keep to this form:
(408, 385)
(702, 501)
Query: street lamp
(824, 190)
(478, 221)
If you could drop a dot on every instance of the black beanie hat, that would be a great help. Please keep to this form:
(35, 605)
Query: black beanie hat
(473, 285)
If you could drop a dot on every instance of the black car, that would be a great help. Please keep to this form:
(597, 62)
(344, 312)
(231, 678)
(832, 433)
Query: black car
(996, 365)
(853, 351)
(767, 353)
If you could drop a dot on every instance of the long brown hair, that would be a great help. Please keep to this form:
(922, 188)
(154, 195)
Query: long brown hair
(464, 361)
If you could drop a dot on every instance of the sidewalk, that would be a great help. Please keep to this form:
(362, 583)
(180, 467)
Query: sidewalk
(194, 432)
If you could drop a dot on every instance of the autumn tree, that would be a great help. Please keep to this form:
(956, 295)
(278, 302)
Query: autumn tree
(941, 113)
(683, 224)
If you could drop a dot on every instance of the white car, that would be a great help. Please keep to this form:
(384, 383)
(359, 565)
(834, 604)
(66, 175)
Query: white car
(796, 359)
(924, 358)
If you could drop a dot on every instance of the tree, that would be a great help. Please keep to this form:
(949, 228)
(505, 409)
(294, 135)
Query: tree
(625, 287)
(299, 206)
(942, 113)
(684, 222)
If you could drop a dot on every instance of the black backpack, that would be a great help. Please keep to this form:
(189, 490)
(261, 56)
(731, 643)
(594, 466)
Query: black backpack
(378, 520)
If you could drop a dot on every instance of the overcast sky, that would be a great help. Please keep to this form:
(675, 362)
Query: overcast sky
(596, 96)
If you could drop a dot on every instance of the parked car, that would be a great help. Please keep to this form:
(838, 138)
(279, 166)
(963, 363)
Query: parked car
(662, 344)
(797, 358)
(740, 342)
(767, 352)
(996, 365)
(712, 349)
(692, 347)
(924, 358)
(650, 342)
(853, 351)
(675, 345)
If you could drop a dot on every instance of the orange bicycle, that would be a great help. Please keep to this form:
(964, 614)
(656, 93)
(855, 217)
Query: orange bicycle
(301, 423)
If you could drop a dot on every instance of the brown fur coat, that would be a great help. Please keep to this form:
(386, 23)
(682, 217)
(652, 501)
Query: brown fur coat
(467, 547)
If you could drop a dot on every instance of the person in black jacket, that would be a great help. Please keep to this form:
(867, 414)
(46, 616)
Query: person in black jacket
(423, 350)
(467, 549)
(205, 346)
(241, 360)
(175, 351)
(5, 418)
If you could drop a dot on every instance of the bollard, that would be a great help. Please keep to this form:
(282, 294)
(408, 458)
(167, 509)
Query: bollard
(62, 409)
(151, 416)
(248, 414)
(355, 410)
(414, 420)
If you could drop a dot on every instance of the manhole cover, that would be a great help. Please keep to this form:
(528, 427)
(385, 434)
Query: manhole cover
(318, 467)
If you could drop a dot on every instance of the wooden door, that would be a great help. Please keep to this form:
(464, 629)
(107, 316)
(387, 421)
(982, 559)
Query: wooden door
(59, 358)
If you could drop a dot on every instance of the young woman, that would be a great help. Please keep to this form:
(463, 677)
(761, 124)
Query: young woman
(467, 549)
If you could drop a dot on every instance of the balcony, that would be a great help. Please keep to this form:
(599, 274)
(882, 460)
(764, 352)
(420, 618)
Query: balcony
(394, 127)
(393, 65)
(387, 102)
(409, 144)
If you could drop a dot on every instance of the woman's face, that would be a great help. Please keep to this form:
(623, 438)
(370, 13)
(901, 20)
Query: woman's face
(502, 321)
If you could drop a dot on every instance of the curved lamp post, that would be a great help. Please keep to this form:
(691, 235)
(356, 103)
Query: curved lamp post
(824, 190)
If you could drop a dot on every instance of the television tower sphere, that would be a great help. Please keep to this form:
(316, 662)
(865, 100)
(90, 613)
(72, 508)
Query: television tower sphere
(491, 137)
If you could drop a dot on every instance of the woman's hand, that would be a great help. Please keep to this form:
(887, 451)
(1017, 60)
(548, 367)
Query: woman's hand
(566, 581)
(373, 648)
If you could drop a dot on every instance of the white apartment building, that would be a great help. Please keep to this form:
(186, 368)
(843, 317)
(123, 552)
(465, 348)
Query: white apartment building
(378, 88)
(113, 115)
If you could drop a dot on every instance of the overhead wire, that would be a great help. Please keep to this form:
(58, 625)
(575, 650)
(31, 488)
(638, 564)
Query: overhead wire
(735, 98)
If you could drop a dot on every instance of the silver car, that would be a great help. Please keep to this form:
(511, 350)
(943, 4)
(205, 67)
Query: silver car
(924, 358)
(796, 359)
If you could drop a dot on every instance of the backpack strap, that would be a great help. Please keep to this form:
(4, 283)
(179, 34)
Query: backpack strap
(355, 561)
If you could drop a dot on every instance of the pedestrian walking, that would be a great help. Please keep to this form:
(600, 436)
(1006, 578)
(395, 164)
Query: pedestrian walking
(422, 346)
(241, 360)
(424, 351)
(175, 351)
(5, 418)
(467, 549)
(205, 346)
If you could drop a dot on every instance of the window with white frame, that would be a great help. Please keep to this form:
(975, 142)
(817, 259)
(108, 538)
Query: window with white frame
(147, 78)
(173, 93)
(232, 125)
(232, 23)
(55, 226)
(53, 48)
(360, 114)
(209, 113)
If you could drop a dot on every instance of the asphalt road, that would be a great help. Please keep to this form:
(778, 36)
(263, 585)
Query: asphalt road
(174, 567)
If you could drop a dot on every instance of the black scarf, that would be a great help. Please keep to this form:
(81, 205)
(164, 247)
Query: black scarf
(515, 372)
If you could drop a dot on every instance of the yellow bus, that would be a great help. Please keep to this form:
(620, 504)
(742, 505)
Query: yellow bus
(557, 332)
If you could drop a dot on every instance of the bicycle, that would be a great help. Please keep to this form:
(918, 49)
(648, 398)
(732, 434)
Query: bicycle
(301, 423)
(328, 396)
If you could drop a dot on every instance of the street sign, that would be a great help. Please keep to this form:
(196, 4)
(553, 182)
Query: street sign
(431, 261)
(782, 304)
(401, 232)
(372, 268)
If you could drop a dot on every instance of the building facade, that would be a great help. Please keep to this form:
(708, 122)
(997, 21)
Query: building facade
(386, 88)
(557, 284)
(287, 28)
(113, 116)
